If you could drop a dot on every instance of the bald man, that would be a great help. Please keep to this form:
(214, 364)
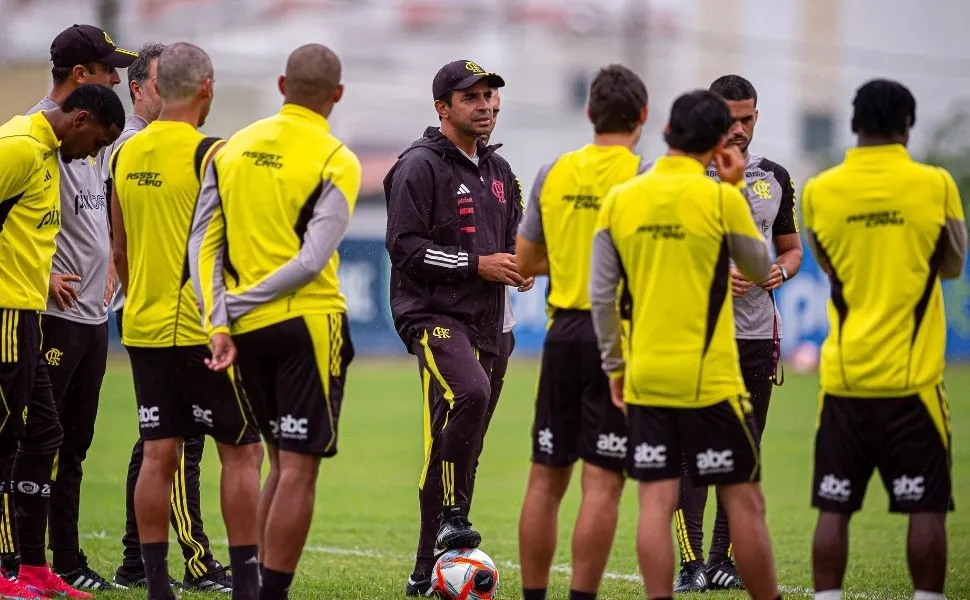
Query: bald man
(181, 388)
(283, 308)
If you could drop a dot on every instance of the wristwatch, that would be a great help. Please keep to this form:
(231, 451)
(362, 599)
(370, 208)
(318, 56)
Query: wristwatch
(784, 274)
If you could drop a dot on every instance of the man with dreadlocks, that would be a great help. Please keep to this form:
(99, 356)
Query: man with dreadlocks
(886, 229)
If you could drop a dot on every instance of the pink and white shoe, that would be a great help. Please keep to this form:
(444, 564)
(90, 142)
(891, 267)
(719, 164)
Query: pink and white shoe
(11, 589)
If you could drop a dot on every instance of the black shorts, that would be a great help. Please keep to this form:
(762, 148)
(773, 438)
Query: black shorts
(717, 442)
(294, 374)
(574, 416)
(178, 397)
(21, 367)
(907, 439)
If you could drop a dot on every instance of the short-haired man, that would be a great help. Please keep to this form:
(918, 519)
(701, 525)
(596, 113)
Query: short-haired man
(668, 236)
(282, 303)
(452, 207)
(757, 331)
(202, 571)
(885, 229)
(88, 119)
(156, 179)
(575, 417)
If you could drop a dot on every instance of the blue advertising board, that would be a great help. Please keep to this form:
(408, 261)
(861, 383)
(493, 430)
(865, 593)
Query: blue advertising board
(365, 271)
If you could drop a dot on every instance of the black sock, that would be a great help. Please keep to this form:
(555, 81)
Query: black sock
(245, 572)
(574, 595)
(155, 557)
(276, 585)
(32, 497)
(66, 561)
(537, 594)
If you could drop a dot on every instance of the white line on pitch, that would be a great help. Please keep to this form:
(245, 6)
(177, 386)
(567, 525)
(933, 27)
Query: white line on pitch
(632, 578)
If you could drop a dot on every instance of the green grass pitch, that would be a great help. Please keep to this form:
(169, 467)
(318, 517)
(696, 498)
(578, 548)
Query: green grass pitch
(365, 524)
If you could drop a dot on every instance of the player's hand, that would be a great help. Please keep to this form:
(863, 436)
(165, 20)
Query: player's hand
(223, 352)
(730, 165)
(500, 268)
(525, 287)
(61, 290)
(774, 280)
(109, 290)
(739, 285)
(616, 392)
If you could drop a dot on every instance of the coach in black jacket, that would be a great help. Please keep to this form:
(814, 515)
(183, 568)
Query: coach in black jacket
(453, 206)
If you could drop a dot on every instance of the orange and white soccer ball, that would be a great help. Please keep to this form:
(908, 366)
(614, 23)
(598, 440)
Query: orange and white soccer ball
(466, 574)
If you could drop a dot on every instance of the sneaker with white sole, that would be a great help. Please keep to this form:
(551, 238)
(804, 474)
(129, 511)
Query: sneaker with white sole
(86, 578)
(216, 579)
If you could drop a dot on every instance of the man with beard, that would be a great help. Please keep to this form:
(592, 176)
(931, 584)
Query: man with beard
(758, 331)
(453, 207)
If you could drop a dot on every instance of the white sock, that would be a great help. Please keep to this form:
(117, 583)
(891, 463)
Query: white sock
(829, 595)
(921, 595)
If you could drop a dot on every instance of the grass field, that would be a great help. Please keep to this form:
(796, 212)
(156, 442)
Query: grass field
(365, 524)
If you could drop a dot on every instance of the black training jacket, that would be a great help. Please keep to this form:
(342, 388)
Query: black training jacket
(443, 213)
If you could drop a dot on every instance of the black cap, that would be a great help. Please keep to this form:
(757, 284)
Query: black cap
(81, 44)
(461, 75)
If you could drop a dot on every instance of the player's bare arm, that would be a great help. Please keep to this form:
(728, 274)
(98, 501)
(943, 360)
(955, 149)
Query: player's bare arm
(531, 254)
(954, 232)
(119, 244)
(531, 258)
(788, 248)
(955, 254)
(109, 289)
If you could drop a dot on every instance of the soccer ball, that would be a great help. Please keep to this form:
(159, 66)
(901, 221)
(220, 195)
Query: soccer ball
(465, 574)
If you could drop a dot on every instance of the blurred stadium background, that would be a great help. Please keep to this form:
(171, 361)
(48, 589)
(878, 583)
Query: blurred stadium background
(806, 57)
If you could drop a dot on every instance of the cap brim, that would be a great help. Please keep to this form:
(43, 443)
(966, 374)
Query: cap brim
(119, 59)
(494, 81)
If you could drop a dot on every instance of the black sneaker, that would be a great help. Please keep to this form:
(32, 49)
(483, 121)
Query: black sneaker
(86, 578)
(137, 579)
(418, 588)
(216, 579)
(692, 578)
(456, 531)
(724, 576)
(10, 565)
